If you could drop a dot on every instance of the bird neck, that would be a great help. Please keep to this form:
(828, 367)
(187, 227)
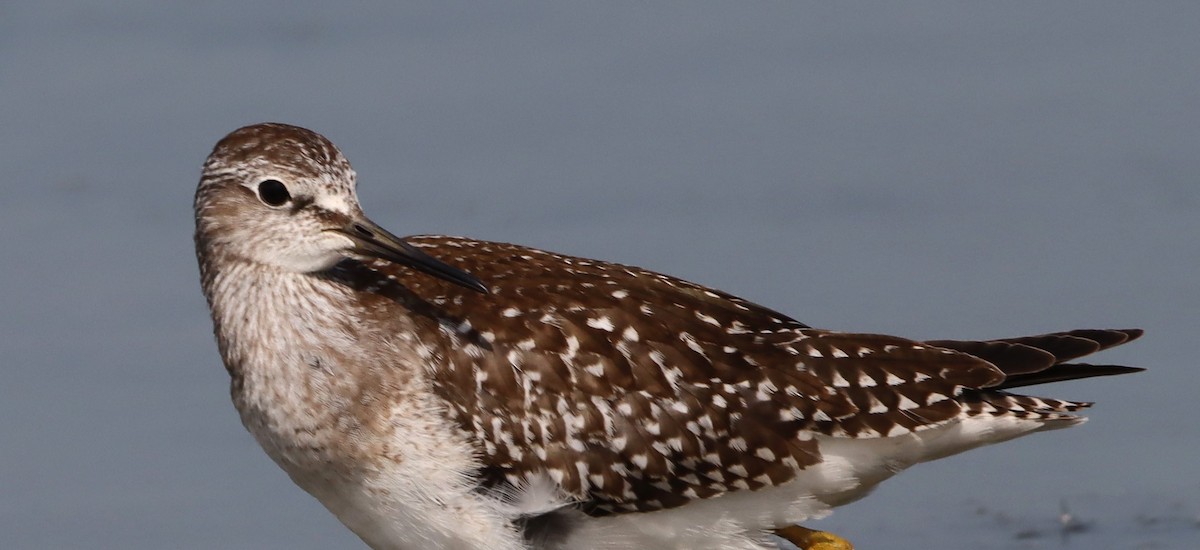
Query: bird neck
(291, 341)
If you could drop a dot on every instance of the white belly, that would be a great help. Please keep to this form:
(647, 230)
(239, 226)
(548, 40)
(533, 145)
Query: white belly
(850, 470)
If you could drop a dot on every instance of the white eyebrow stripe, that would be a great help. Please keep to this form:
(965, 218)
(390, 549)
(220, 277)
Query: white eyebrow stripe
(333, 203)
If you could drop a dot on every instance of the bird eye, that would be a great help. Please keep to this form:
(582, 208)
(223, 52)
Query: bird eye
(273, 193)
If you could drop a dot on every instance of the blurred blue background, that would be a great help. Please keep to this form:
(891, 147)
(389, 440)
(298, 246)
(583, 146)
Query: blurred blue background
(923, 169)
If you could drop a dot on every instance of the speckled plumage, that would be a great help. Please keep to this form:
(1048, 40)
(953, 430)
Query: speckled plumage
(576, 403)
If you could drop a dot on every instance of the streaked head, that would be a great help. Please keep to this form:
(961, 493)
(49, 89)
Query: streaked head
(284, 196)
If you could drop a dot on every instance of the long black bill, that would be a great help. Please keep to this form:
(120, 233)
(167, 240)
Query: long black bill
(372, 240)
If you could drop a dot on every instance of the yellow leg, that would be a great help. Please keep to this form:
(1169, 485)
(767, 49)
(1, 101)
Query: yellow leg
(809, 539)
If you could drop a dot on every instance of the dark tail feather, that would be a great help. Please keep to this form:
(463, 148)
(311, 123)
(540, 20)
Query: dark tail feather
(1041, 359)
(1074, 344)
(1064, 371)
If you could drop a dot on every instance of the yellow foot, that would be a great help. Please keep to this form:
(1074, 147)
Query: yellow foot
(808, 539)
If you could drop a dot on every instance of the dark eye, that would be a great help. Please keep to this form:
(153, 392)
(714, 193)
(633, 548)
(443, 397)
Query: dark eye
(273, 193)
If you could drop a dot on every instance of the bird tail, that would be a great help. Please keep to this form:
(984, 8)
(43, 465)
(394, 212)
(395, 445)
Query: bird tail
(1041, 359)
(1046, 358)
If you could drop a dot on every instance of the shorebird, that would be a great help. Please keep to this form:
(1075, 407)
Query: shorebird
(443, 392)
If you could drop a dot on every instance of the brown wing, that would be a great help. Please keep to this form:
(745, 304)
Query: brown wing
(638, 391)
